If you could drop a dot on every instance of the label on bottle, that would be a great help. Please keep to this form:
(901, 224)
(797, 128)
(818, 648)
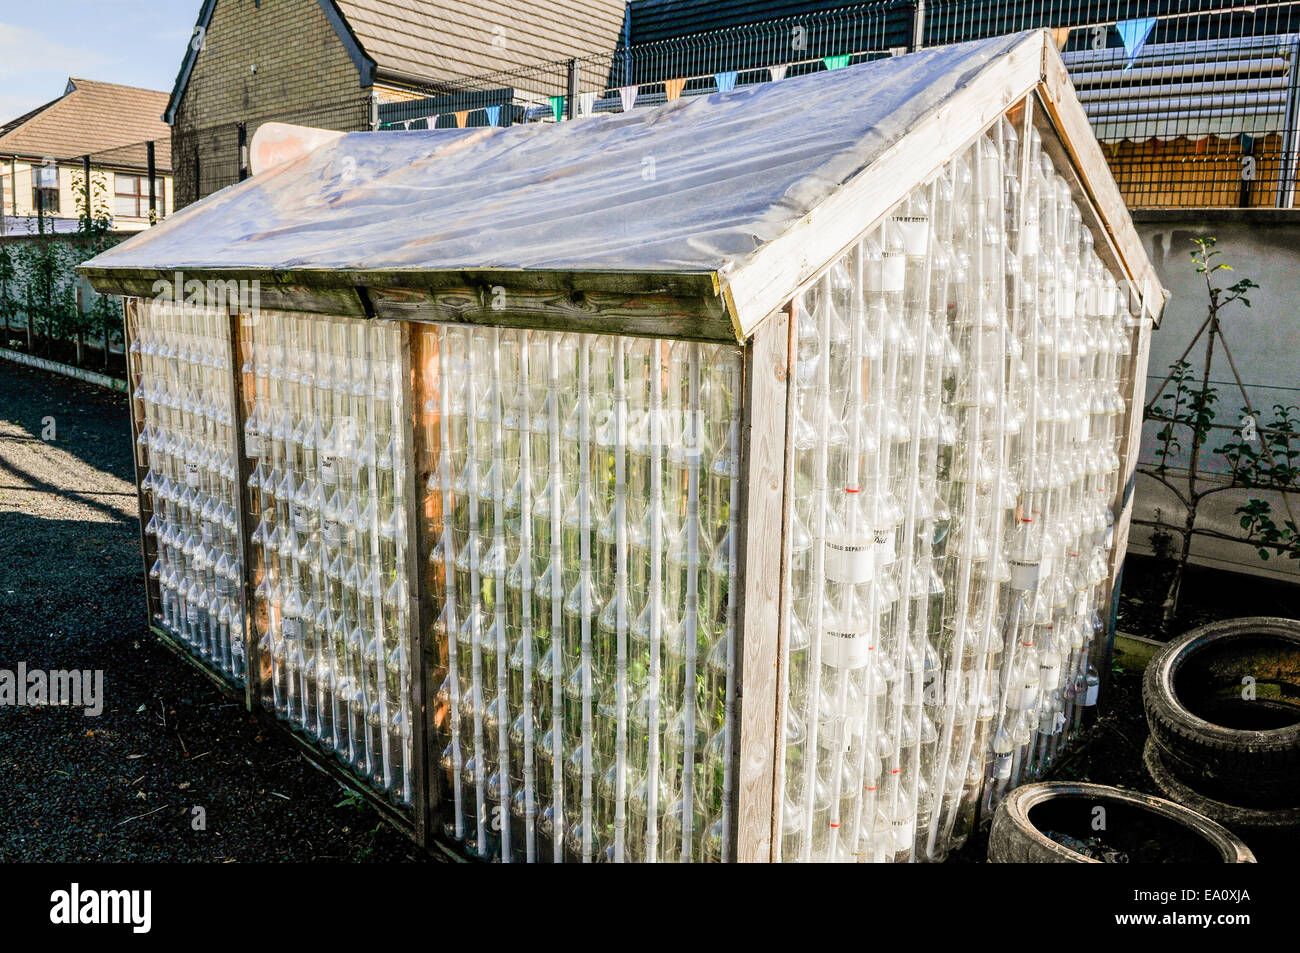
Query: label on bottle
(191, 474)
(209, 531)
(1045, 568)
(192, 614)
(223, 587)
(301, 516)
(1090, 695)
(884, 547)
(849, 563)
(894, 270)
(329, 469)
(904, 832)
(333, 531)
(845, 649)
(1024, 576)
(253, 444)
(291, 628)
(1058, 722)
(1028, 697)
(1002, 766)
(916, 235)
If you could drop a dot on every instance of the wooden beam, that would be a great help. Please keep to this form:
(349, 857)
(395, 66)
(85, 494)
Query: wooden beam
(417, 558)
(148, 550)
(764, 520)
(1067, 116)
(1130, 444)
(640, 315)
(760, 285)
(237, 322)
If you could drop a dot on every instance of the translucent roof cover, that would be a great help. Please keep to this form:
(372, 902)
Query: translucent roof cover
(696, 185)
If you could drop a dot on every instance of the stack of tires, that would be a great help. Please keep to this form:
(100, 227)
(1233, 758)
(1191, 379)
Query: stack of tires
(1223, 707)
(1077, 823)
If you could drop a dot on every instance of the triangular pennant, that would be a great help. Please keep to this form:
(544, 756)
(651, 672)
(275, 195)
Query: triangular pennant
(1247, 144)
(1061, 36)
(837, 62)
(778, 72)
(407, 124)
(429, 121)
(628, 95)
(1203, 145)
(493, 114)
(673, 88)
(586, 103)
(1134, 33)
(461, 116)
(726, 81)
(557, 108)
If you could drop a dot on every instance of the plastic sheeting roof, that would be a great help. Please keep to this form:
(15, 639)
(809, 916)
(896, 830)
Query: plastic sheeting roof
(693, 186)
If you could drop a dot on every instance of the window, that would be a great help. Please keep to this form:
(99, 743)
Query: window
(45, 188)
(131, 196)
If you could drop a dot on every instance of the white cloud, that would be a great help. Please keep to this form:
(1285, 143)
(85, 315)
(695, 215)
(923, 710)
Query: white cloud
(34, 68)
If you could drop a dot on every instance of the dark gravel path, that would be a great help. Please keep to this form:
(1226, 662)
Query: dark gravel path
(123, 786)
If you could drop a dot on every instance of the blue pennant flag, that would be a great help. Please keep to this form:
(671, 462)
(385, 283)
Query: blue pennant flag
(1134, 33)
(493, 114)
(726, 81)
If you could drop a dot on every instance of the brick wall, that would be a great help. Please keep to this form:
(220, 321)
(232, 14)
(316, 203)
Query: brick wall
(304, 75)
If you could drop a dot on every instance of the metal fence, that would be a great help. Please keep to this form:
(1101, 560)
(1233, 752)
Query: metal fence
(1194, 101)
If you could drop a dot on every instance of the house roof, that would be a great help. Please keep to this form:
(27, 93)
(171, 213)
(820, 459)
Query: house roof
(732, 199)
(90, 117)
(442, 40)
(435, 41)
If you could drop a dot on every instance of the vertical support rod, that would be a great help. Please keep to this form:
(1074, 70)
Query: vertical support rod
(417, 558)
(152, 164)
(571, 100)
(761, 573)
(85, 185)
(243, 150)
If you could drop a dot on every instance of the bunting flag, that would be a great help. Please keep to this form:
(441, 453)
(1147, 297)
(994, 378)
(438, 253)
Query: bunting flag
(726, 81)
(837, 62)
(1061, 36)
(493, 114)
(1247, 144)
(461, 116)
(430, 121)
(778, 72)
(1203, 146)
(1134, 33)
(406, 124)
(586, 104)
(628, 95)
(673, 88)
(557, 108)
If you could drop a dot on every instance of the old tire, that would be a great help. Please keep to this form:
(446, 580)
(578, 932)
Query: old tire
(1017, 838)
(1232, 816)
(1213, 740)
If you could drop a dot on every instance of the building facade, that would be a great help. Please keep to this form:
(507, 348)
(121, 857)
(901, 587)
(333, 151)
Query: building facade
(326, 63)
(43, 156)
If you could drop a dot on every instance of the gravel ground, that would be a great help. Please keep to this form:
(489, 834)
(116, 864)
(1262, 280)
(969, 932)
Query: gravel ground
(123, 786)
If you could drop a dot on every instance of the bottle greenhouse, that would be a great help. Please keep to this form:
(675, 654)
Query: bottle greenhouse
(742, 479)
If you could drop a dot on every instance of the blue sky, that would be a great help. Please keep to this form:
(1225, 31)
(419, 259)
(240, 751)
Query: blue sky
(42, 43)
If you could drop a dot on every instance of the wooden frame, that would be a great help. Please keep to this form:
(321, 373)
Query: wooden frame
(761, 569)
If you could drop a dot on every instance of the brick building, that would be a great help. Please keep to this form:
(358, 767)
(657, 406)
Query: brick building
(326, 63)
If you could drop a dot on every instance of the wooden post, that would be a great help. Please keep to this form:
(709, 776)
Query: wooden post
(130, 308)
(762, 574)
(242, 470)
(1130, 444)
(417, 557)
